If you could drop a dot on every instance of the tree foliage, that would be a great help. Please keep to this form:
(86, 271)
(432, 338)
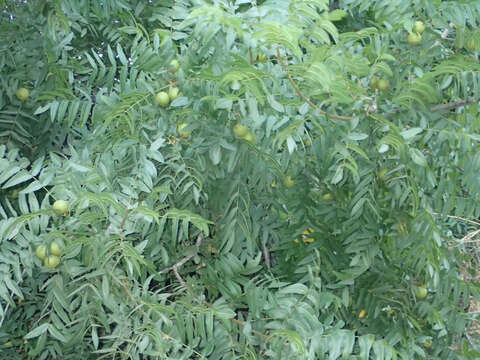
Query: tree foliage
(310, 239)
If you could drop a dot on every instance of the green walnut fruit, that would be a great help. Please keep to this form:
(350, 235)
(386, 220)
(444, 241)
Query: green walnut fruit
(327, 196)
(41, 251)
(362, 313)
(240, 130)
(55, 249)
(414, 39)
(374, 82)
(51, 261)
(22, 94)
(249, 137)
(183, 133)
(174, 66)
(60, 207)
(173, 93)
(288, 181)
(421, 292)
(14, 194)
(382, 173)
(162, 98)
(383, 84)
(418, 27)
(261, 58)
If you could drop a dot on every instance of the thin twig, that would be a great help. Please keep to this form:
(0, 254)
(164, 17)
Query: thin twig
(175, 266)
(453, 105)
(457, 218)
(124, 220)
(266, 255)
(258, 333)
(177, 275)
(307, 100)
(468, 238)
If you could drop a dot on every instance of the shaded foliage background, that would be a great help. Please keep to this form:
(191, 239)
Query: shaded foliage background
(194, 247)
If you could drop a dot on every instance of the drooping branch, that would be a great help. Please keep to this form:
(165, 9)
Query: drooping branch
(307, 100)
(439, 107)
(453, 105)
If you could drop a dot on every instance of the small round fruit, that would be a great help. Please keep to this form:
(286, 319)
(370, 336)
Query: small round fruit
(261, 57)
(374, 82)
(41, 251)
(249, 137)
(22, 94)
(174, 65)
(382, 173)
(362, 314)
(327, 196)
(14, 194)
(173, 93)
(383, 84)
(162, 98)
(418, 27)
(427, 343)
(240, 130)
(288, 181)
(51, 261)
(55, 249)
(182, 132)
(60, 207)
(421, 292)
(414, 39)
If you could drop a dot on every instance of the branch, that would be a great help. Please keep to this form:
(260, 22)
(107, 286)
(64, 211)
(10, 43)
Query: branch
(252, 61)
(178, 276)
(175, 266)
(266, 255)
(307, 100)
(440, 107)
(457, 218)
(453, 105)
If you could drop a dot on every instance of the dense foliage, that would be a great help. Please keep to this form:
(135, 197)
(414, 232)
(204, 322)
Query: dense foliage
(225, 179)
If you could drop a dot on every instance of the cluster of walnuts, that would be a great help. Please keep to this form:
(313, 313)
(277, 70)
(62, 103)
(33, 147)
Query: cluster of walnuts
(50, 254)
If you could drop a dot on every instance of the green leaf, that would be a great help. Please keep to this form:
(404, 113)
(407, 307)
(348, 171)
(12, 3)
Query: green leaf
(56, 334)
(410, 133)
(272, 33)
(417, 157)
(18, 178)
(39, 330)
(215, 153)
(338, 175)
(357, 136)
(189, 216)
(366, 342)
